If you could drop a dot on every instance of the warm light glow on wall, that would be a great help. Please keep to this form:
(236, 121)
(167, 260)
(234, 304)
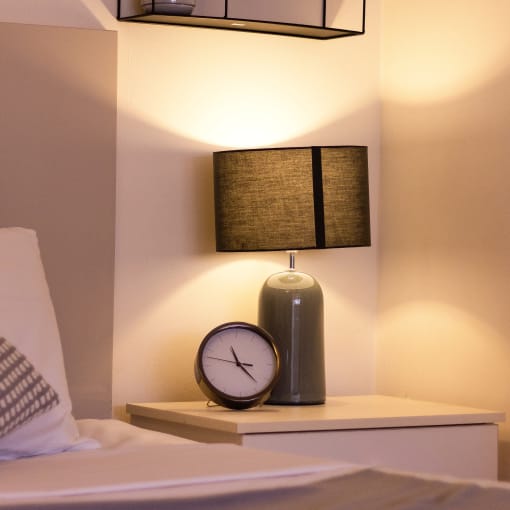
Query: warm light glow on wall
(261, 90)
(164, 333)
(457, 46)
(241, 278)
(450, 342)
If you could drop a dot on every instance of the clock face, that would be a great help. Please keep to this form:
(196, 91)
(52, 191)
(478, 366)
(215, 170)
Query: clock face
(237, 365)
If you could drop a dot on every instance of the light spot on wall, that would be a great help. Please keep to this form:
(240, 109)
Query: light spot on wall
(450, 341)
(454, 48)
(256, 90)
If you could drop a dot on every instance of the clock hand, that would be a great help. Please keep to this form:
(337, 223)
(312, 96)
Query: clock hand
(230, 361)
(235, 356)
(240, 365)
(246, 372)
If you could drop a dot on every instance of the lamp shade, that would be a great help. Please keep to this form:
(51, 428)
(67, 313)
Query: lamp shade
(291, 198)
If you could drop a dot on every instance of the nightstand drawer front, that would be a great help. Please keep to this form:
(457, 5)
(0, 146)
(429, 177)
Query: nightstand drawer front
(375, 430)
(462, 451)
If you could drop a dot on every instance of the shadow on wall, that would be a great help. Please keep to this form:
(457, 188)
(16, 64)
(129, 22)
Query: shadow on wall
(57, 156)
(95, 14)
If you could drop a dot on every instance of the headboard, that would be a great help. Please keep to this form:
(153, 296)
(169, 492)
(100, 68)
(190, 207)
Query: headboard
(57, 176)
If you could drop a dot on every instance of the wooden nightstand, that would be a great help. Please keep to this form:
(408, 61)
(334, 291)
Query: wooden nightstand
(373, 429)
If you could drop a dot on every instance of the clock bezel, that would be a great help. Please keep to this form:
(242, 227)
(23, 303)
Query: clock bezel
(231, 401)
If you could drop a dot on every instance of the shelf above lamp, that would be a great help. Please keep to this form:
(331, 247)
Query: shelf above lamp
(236, 15)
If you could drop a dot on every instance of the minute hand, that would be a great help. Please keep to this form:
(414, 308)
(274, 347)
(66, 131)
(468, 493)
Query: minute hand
(230, 361)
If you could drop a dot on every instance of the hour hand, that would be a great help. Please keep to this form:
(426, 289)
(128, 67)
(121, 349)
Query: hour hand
(235, 356)
(241, 365)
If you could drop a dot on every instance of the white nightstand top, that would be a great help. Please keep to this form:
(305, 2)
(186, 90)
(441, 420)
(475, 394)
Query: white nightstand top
(338, 413)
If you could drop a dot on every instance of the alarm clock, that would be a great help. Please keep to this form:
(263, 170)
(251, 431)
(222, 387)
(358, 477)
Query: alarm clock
(237, 365)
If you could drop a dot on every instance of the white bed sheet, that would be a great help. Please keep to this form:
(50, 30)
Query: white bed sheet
(136, 469)
(136, 463)
(116, 434)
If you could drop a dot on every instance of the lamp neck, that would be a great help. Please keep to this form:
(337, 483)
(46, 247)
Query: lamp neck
(292, 259)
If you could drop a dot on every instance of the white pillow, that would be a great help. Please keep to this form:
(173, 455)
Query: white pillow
(27, 321)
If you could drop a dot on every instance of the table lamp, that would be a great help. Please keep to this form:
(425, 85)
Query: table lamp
(292, 199)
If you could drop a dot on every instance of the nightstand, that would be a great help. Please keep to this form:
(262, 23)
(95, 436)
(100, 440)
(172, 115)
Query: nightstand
(376, 430)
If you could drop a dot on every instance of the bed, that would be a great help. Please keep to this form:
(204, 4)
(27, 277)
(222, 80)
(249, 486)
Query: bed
(51, 460)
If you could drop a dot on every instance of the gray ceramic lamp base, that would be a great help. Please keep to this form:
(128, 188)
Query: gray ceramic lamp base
(291, 310)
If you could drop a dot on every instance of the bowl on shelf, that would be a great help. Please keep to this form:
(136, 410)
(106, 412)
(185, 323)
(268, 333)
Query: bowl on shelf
(177, 7)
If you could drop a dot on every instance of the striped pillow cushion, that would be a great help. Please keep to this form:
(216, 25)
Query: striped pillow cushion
(24, 393)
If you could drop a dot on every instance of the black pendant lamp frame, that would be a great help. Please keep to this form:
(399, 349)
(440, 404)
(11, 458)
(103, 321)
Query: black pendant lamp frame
(244, 25)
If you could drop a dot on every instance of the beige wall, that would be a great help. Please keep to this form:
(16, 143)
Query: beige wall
(57, 176)
(184, 93)
(443, 324)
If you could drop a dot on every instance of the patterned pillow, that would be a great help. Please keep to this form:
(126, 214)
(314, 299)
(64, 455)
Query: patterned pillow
(28, 322)
(24, 393)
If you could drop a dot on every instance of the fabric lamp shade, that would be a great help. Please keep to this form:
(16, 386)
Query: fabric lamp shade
(291, 198)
